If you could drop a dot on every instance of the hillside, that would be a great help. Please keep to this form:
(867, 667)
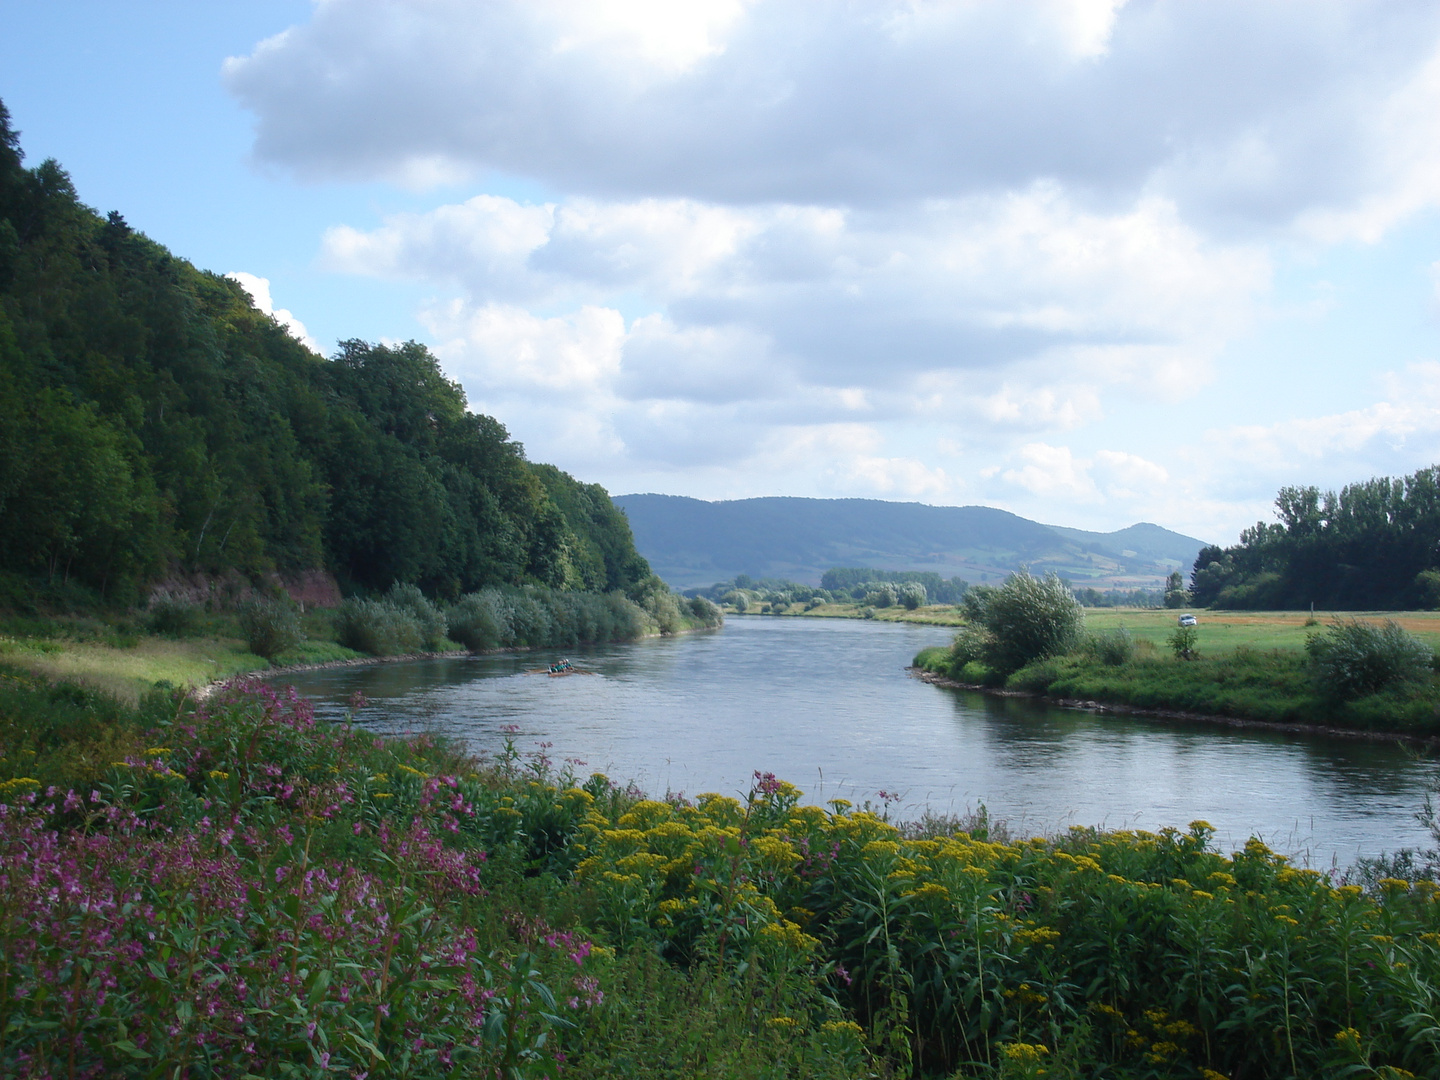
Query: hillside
(154, 423)
(690, 542)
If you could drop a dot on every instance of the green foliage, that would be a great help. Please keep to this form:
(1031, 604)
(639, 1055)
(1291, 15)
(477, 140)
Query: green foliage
(1354, 658)
(378, 627)
(972, 642)
(1368, 547)
(1112, 647)
(882, 597)
(1183, 641)
(1028, 619)
(312, 895)
(938, 590)
(501, 617)
(428, 618)
(172, 617)
(270, 626)
(152, 419)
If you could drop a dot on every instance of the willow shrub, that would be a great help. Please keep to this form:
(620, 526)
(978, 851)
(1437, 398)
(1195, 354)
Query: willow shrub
(533, 615)
(1353, 658)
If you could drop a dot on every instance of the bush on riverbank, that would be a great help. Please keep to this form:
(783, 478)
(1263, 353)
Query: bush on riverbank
(232, 886)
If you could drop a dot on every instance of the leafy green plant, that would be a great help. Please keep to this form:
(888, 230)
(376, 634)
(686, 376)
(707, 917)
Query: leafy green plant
(1354, 658)
(270, 626)
(377, 627)
(1029, 618)
(429, 619)
(172, 617)
(1113, 647)
(1183, 641)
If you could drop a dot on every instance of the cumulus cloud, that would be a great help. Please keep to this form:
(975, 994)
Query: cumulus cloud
(259, 290)
(897, 312)
(1258, 113)
(1384, 437)
(906, 248)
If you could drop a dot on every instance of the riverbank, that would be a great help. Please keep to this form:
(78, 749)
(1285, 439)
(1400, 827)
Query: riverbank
(438, 913)
(1179, 715)
(120, 660)
(1276, 688)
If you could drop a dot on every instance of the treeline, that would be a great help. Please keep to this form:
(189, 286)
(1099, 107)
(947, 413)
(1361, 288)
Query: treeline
(152, 420)
(860, 580)
(1374, 545)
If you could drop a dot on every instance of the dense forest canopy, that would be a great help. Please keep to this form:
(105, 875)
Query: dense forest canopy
(1375, 545)
(153, 420)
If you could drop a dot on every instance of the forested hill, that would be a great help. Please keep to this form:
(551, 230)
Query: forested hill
(691, 542)
(152, 420)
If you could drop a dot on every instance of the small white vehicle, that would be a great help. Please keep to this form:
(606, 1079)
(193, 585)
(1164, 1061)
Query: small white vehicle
(1187, 620)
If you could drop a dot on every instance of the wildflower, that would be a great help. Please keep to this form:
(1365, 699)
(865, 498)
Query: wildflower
(1025, 1053)
(782, 1023)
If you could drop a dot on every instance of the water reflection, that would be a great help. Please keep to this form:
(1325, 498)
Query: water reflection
(827, 705)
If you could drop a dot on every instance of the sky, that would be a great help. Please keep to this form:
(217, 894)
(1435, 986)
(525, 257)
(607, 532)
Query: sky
(1091, 261)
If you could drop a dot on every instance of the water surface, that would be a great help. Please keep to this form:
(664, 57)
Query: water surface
(827, 705)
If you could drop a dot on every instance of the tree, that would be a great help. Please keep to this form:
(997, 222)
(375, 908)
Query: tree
(1029, 619)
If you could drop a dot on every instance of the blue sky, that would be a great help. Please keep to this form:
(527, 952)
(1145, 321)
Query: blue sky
(1092, 261)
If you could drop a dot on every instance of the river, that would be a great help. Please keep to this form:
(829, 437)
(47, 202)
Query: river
(827, 705)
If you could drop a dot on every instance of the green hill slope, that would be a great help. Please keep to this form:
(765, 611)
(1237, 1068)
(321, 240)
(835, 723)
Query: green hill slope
(690, 542)
(153, 422)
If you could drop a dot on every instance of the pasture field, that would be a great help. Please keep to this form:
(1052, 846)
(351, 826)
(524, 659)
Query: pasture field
(1219, 631)
(1225, 631)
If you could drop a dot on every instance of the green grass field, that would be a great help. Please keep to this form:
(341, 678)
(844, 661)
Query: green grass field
(116, 656)
(1219, 631)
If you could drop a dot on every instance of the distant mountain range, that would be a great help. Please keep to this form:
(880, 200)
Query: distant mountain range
(690, 542)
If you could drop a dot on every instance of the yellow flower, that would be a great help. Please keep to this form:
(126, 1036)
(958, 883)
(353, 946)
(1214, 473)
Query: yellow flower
(929, 891)
(1024, 1053)
(219, 774)
(156, 751)
(843, 1027)
(783, 1023)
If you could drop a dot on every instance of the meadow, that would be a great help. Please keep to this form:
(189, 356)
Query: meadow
(1219, 631)
(230, 888)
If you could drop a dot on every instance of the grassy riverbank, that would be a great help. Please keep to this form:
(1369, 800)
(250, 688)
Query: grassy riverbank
(1251, 667)
(232, 888)
(127, 652)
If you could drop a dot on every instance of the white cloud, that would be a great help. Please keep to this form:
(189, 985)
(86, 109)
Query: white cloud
(259, 290)
(1252, 113)
(1385, 437)
(908, 248)
(870, 306)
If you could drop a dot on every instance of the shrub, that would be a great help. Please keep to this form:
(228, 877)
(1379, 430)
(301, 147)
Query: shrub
(477, 623)
(1182, 642)
(172, 617)
(1113, 647)
(1030, 618)
(912, 595)
(881, 596)
(377, 628)
(971, 643)
(707, 611)
(270, 626)
(430, 619)
(1353, 658)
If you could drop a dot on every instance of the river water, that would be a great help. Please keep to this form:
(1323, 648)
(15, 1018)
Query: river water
(827, 705)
